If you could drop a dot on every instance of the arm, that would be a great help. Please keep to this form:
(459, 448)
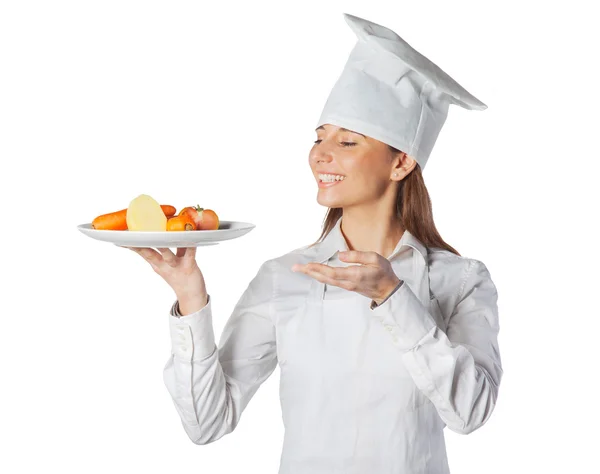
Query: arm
(212, 386)
(460, 370)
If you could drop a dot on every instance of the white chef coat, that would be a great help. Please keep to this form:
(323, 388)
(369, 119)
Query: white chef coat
(364, 388)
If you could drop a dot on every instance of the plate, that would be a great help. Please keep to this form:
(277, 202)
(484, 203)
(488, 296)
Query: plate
(183, 238)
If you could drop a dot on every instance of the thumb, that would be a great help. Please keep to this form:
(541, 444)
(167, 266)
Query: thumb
(358, 256)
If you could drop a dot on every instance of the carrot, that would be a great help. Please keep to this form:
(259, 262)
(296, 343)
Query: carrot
(168, 210)
(183, 222)
(111, 221)
(118, 220)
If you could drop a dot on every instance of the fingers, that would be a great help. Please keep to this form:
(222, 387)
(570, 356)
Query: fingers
(347, 278)
(168, 256)
(148, 254)
(188, 252)
(350, 273)
(191, 252)
(135, 249)
(165, 255)
(323, 277)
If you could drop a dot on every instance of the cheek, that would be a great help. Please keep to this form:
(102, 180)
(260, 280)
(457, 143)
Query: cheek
(361, 168)
(367, 184)
(368, 180)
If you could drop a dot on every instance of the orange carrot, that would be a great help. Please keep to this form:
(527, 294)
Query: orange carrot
(168, 210)
(183, 222)
(118, 220)
(111, 221)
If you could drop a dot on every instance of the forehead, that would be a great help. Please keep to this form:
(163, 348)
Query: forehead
(339, 129)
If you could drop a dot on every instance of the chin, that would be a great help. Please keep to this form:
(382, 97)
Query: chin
(329, 202)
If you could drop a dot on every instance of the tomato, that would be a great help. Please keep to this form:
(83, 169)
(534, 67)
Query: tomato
(210, 220)
(204, 219)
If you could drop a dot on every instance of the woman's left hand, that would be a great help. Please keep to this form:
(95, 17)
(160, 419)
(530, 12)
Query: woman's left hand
(374, 279)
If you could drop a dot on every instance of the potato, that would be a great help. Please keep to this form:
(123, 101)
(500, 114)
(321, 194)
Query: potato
(144, 213)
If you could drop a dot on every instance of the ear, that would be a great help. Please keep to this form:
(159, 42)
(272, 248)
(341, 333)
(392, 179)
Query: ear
(403, 164)
(402, 160)
(409, 163)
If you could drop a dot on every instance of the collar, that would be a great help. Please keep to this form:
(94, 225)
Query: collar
(335, 242)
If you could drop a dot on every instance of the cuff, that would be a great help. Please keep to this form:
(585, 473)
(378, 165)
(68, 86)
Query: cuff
(192, 336)
(374, 303)
(405, 318)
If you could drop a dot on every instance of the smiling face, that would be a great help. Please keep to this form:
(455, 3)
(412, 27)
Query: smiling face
(366, 165)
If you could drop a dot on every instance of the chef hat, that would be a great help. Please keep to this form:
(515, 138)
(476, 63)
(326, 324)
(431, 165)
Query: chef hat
(393, 93)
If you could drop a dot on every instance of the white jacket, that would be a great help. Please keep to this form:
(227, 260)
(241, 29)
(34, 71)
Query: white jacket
(364, 388)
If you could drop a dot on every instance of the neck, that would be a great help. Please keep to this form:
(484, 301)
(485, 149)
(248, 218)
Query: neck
(371, 230)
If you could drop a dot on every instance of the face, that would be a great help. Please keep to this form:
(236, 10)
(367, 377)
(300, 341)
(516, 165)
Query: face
(367, 166)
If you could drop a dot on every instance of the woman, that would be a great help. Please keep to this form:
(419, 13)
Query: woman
(383, 333)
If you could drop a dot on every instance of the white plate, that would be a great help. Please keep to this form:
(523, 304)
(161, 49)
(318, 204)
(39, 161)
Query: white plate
(184, 238)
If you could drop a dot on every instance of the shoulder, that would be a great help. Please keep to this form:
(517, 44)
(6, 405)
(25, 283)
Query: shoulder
(446, 263)
(453, 276)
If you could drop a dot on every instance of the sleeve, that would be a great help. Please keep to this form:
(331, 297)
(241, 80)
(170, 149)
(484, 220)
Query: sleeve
(175, 308)
(458, 370)
(211, 386)
(374, 303)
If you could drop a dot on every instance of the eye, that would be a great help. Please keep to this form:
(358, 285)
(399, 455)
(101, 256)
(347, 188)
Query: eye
(344, 144)
(348, 143)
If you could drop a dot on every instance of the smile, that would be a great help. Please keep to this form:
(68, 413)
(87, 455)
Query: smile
(328, 184)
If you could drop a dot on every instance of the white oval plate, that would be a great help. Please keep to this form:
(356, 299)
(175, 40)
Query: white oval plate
(184, 238)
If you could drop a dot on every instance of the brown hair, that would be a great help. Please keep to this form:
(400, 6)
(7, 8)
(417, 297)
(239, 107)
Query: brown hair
(413, 209)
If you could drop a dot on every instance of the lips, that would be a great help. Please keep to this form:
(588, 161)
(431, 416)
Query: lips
(327, 184)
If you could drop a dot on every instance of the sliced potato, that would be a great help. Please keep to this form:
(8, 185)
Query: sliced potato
(144, 213)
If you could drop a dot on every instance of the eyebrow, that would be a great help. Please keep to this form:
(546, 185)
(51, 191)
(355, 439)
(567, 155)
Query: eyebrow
(340, 130)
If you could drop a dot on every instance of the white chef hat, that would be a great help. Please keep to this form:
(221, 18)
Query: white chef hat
(392, 93)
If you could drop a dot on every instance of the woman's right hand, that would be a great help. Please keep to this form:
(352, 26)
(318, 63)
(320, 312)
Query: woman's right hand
(181, 272)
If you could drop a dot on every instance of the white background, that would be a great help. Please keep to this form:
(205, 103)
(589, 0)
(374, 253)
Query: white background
(216, 104)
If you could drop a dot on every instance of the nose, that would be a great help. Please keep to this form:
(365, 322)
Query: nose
(321, 153)
(319, 159)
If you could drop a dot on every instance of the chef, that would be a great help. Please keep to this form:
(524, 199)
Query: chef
(384, 334)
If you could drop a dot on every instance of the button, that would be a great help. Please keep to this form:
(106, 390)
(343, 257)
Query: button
(389, 328)
(183, 348)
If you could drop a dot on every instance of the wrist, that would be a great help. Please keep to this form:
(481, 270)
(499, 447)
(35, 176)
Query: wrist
(191, 303)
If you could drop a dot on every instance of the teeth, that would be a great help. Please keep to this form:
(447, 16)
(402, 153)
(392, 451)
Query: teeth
(331, 177)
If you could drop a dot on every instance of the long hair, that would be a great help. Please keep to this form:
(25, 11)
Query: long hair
(413, 209)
